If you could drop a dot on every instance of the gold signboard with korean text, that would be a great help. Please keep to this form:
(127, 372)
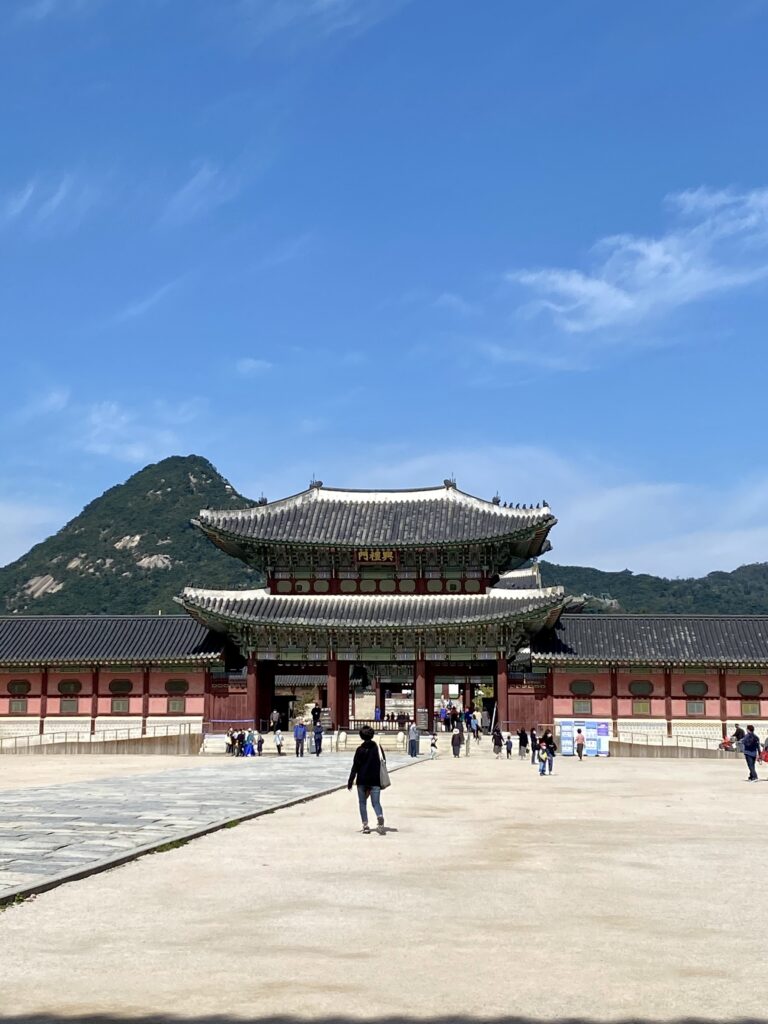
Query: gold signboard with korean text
(375, 556)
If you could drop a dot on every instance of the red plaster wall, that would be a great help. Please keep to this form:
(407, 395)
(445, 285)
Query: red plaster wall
(561, 681)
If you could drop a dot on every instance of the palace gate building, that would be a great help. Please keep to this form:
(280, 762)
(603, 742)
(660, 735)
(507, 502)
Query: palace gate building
(401, 591)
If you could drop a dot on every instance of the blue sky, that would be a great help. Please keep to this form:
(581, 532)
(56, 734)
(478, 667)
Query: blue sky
(382, 242)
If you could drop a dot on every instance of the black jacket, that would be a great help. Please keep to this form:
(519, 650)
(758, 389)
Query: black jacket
(366, 765)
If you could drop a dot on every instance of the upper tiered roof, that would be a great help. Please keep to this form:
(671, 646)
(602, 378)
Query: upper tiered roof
(334, 517)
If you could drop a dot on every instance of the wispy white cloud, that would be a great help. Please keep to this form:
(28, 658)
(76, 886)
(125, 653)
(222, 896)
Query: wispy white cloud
(44, 403)
(207, 188)
(250, 367)
(307, 21)
(142, 306)
(24, 523)
(44, 206)
(717, 243)
(126, 435)
(607, 517)
(455, 304)
(42, 10)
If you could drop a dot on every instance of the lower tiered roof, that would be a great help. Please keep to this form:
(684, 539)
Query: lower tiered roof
(356, 611)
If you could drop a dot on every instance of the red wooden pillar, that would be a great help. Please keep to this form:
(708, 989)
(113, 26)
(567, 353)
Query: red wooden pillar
(342, 693)
(419, 686)
(502, 693)
(260, 691)
(145, 679)
(251, 687)
(94, 698)
(333, 691)
(431, 673)
(722, 678)
(668, 699)
(43, 698)
(614, 702)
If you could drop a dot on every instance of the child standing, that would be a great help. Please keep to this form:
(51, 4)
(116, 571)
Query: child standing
(508, 745)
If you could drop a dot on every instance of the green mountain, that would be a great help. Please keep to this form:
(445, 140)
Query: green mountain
(132, 549)
(741, 592)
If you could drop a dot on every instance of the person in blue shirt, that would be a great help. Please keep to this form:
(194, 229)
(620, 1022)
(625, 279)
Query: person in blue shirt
(317, 735)
(300, 735)
(751, 747)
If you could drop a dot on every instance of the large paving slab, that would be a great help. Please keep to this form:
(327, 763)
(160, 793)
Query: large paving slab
(52, 830)
(619, 889)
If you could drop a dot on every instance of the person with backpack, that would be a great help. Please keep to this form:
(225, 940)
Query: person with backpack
(366, 773)
(750, 744)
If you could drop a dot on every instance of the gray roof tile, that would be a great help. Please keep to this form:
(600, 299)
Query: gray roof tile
(357, 611)
(396, 519)
(654, 639)
(54, 639)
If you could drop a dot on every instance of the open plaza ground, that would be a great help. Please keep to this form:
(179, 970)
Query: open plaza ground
(616, 888)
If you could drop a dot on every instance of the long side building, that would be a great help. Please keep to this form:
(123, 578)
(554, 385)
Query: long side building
(409, 591)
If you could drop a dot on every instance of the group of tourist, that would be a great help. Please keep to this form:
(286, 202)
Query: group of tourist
(244, 743)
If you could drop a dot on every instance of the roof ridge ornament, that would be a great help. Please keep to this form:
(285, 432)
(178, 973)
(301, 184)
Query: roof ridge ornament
(449, 482)
(315, 484)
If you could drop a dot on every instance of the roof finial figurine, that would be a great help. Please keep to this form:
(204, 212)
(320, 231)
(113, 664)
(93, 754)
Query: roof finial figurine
(496, 499)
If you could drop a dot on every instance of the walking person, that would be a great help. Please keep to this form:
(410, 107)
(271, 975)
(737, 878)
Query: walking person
(475, 727)
(522, 743)
(534, 746)
(249, 741)
(274, 720)
(751, 747)
(549, 746)
(541, 758)
(498, 741)
(738, 738)
(316, 713)
(580, 741)
(317, 736)
(366, 772)
(259, 745)
(413, 740)
(278, 738)
(299, 735)
(508, 745)
(433, 746)
(456, 742)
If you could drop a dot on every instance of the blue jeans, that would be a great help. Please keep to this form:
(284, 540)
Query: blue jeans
(750, 759)
(363, 792)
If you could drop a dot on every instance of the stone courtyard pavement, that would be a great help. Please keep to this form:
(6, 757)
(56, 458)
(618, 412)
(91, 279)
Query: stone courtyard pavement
(55, 829)
(616, 890)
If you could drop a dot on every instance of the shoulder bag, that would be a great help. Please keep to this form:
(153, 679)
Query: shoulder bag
(384, 780)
